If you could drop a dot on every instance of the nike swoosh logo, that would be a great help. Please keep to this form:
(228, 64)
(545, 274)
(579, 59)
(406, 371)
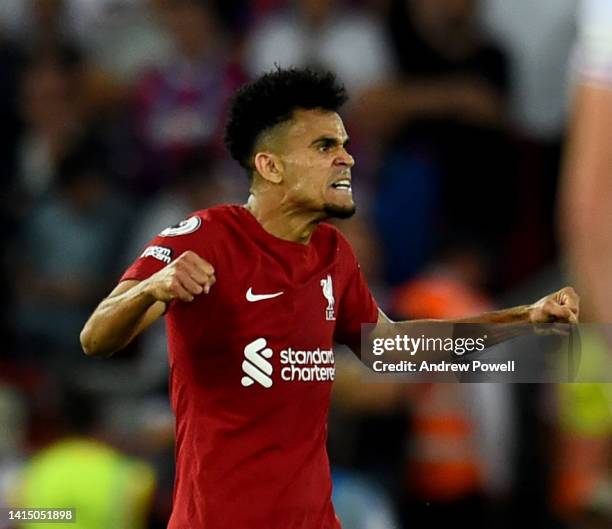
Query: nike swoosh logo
(258, 297)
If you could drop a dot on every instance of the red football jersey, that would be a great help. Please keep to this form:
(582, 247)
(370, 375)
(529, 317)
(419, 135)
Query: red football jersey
(251, 370)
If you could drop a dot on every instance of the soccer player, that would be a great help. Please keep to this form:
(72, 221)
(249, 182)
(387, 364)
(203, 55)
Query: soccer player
(254, 297)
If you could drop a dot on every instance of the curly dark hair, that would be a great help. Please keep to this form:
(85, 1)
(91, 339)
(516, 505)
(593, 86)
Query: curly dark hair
(271, 100)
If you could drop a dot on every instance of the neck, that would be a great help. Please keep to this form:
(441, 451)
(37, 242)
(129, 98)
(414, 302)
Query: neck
(284, 221)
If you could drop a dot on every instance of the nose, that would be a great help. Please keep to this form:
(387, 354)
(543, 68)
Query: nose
(344, 158)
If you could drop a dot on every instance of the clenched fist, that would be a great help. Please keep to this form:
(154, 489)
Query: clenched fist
(561, 307)
(184, 278)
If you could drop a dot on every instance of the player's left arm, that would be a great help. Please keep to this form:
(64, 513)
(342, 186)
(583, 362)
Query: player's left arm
(561, 307)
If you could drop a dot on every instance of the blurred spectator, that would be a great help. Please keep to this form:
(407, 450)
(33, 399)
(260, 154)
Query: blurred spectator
(13, 418)
(538, 37)
(43, 26)
(12, 15)
(444, 119)
(583, 464)
(11, 64)
(69, 248)
(453, 286)
(460, 442)
(447, 68)
(51, 106)
(359, 503)
(80, 471)
(181, 104)
(584, 212)
(121, 37)
(325, 34)
(49, 22)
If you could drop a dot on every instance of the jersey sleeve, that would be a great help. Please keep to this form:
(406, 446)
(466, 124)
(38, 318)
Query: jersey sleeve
(357, 304)
(193, 233)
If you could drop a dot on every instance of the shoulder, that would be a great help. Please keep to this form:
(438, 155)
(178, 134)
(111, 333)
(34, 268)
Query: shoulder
(221, 219)
(202, 231)
(202, 222)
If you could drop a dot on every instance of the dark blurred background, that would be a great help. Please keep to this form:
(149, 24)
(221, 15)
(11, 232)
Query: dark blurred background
(111, 120)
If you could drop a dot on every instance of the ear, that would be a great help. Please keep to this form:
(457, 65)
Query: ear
(269, 166)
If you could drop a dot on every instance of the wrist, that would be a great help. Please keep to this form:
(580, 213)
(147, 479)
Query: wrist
(517, 315)
(530, 312)
(147, 292)
(522, 313)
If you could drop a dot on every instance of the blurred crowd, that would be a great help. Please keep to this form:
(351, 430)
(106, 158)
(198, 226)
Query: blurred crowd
(111, 119)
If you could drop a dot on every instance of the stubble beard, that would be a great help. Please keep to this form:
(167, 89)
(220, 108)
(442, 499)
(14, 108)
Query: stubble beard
(333, 211)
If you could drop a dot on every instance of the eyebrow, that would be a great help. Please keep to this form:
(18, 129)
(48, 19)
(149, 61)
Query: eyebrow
(330, 140)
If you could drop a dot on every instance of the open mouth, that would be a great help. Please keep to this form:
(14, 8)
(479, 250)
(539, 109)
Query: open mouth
(344, 184)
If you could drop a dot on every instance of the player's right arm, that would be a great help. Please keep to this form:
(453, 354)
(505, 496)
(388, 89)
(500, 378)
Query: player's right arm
(134, 305)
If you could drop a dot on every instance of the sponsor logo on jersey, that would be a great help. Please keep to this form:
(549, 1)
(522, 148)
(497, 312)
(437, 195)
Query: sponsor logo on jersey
(255, 365)
(160, 253)
(316, 365)
(260, 297)
(328, 291)
(182, 228)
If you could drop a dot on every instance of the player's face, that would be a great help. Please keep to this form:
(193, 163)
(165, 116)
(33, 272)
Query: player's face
(317, 166)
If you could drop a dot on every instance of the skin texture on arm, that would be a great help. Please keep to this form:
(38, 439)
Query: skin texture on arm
(127, 311)
(133, 306)
(499, 326)
(585, 212)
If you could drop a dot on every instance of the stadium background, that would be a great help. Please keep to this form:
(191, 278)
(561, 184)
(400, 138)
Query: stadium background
(111, 115)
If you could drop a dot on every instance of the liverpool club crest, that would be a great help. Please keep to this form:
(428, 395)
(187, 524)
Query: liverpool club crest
(328, 292)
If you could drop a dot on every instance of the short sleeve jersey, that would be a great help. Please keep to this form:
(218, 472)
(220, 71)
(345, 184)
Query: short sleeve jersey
(252, 366)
